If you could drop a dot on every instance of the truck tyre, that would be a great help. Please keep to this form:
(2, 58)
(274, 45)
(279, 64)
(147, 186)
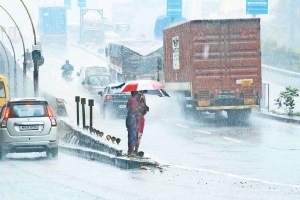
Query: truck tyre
(244, 115)
(218, 115)
(238, 115)
(232, 116)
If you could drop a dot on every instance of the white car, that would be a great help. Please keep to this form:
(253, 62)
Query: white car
(95, 83)
(88, 70)
(28, 125)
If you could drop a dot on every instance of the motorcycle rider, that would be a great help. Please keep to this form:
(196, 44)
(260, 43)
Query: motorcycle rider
(67, 70)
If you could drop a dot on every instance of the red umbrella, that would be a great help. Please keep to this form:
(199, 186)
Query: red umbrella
(140, 85)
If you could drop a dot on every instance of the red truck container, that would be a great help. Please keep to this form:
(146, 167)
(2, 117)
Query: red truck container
(215, 65)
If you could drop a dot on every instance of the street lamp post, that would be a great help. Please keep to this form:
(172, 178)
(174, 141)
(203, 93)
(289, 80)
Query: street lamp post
(24, 63)
(35, 62)
(8, 73)
(15, 67)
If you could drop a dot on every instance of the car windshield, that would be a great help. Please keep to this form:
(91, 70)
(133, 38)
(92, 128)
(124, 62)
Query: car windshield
(27, 110)
(99, 80)
(95, 70)
(116, 90)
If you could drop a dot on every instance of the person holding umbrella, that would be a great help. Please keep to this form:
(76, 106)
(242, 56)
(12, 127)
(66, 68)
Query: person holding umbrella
(132, 122)
(135, 120)
(142, 110)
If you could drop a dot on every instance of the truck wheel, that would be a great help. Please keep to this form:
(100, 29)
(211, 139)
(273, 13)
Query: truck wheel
(232, 116)
(218, 115)
(189, 113)
(244, 115)
(238, 115)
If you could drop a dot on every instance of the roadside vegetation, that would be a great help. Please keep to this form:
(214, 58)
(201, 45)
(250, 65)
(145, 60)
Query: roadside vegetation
(281, 35)
(283, 113)
(286, 100)
(280, 56)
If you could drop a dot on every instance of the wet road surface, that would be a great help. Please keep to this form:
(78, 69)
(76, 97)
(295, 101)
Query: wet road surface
(205, 158)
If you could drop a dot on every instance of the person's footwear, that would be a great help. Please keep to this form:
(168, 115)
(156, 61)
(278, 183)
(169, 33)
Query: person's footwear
(131, 155)
(136, 150)
(140, 154)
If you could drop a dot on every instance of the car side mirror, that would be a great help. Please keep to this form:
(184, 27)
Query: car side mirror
(100, 93)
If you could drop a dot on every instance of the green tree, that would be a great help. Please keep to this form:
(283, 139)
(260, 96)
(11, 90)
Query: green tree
(286, 99)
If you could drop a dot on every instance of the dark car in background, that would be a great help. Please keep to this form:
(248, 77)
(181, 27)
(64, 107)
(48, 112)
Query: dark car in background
(94, 83)
(113, 101)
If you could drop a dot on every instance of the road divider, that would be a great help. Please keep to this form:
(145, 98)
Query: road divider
(85, 142)
(81, 143)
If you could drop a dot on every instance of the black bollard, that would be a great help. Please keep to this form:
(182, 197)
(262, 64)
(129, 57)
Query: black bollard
(83, 101)
(77, 100)
(91, 104)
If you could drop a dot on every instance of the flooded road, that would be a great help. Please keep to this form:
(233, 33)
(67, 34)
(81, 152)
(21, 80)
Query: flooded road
(203, 158)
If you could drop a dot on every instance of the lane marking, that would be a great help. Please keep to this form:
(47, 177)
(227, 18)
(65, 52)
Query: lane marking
(200, 131)
(236, 176)
(180, 125)
(231, 139)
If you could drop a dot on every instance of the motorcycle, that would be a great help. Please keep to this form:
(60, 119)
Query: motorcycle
(67, 75)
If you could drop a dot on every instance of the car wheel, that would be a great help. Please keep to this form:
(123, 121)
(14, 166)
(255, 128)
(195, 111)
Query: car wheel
(2, 154)
(48, 153)
(106, 114)
(54, 152)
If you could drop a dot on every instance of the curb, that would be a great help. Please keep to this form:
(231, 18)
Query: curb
(76, 142)
(121, 162)
(78, 137)
(279, 118)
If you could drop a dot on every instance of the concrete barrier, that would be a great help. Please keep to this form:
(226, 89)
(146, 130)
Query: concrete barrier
(73, 135)
(282, 118)
(81, 143)
(122, 162)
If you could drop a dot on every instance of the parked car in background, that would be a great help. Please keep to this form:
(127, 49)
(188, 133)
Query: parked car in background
(113, 101)
(94, 83)
(28, 125)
